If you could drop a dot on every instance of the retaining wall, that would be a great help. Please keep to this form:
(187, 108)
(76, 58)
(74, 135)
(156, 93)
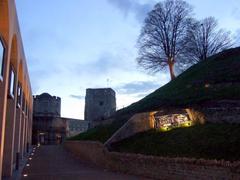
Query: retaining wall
(152, 166)
(138, 123)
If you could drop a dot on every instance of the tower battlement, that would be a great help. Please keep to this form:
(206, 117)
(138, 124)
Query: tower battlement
(46, 105)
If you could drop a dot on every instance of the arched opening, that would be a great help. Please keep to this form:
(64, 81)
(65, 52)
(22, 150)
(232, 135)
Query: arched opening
(4, 33)
(8, 158)
(19, 119)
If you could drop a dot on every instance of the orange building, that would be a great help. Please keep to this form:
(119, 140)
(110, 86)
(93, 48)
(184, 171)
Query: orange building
(15, 92)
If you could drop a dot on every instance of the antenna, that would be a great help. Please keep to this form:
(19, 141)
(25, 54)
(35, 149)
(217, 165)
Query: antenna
(108, 82)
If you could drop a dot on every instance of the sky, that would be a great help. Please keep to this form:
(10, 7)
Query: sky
(77, 44)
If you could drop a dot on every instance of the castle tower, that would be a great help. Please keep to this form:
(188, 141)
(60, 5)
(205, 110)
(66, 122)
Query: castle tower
(99, 105)
(46, 105)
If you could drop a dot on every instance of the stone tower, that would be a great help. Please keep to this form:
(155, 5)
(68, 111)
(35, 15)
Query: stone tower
(46, 105)
(99, 105)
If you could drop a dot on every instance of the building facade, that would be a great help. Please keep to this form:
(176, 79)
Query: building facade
(99, 105)
(48, 125)
(15, 92)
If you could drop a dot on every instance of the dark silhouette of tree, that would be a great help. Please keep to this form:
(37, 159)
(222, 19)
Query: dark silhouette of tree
(162, 40)
(205, 39)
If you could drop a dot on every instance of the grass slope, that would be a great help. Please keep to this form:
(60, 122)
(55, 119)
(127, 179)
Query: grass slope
(209, 141)
(221, 72)
(103, 133)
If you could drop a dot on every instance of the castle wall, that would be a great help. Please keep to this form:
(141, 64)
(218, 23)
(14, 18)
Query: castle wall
(76, 126)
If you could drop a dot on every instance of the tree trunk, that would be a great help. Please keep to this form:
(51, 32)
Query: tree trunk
(171, 69)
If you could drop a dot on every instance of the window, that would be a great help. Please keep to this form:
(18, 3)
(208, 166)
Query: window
(19, 95)
(1, 58)
(23, 102)
(26, 110)
(11, 83)
(101, 103)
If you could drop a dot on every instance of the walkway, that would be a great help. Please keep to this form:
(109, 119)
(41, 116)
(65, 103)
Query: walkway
(54, 163)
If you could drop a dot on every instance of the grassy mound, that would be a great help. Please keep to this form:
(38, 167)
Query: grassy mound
(103, 133)
(209, 141)
(217, 78)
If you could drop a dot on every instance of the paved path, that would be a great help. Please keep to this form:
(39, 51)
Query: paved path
(54, 163)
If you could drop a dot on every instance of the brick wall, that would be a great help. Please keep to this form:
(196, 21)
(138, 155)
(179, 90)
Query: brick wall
(152, 166)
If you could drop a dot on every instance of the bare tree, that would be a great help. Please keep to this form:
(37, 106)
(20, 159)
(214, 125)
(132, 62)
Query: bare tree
(162, 39)
(205, 39)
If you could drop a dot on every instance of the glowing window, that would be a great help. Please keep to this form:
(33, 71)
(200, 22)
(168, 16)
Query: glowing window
(11, 83)
(1, 57)
(19, 95)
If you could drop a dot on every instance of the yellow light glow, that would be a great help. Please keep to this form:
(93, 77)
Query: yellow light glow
(187, 124)
(165, 128)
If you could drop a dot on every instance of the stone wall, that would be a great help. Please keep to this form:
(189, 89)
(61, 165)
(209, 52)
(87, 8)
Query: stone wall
(152, 166)
(138, 123)
(76, 126)
(46, 105)
(216, 112)
(99, 104)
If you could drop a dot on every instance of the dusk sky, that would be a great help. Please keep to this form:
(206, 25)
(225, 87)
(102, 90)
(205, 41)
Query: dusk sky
(77, 44)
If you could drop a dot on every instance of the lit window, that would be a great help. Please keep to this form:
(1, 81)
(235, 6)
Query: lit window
(11, 83)
(1, 57)
(19, 95)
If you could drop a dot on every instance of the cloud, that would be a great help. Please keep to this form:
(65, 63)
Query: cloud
(236, 13)
(77, 96)
(237, 37)
(107, 63)
(133, 6)
(142, 95)
(140, 88)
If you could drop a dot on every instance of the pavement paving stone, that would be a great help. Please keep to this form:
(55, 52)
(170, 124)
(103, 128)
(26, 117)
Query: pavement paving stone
(53, 162)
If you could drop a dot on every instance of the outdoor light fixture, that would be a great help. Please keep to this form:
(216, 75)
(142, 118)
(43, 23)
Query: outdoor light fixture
(25, 175)
(27, 165)
(30, 158)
